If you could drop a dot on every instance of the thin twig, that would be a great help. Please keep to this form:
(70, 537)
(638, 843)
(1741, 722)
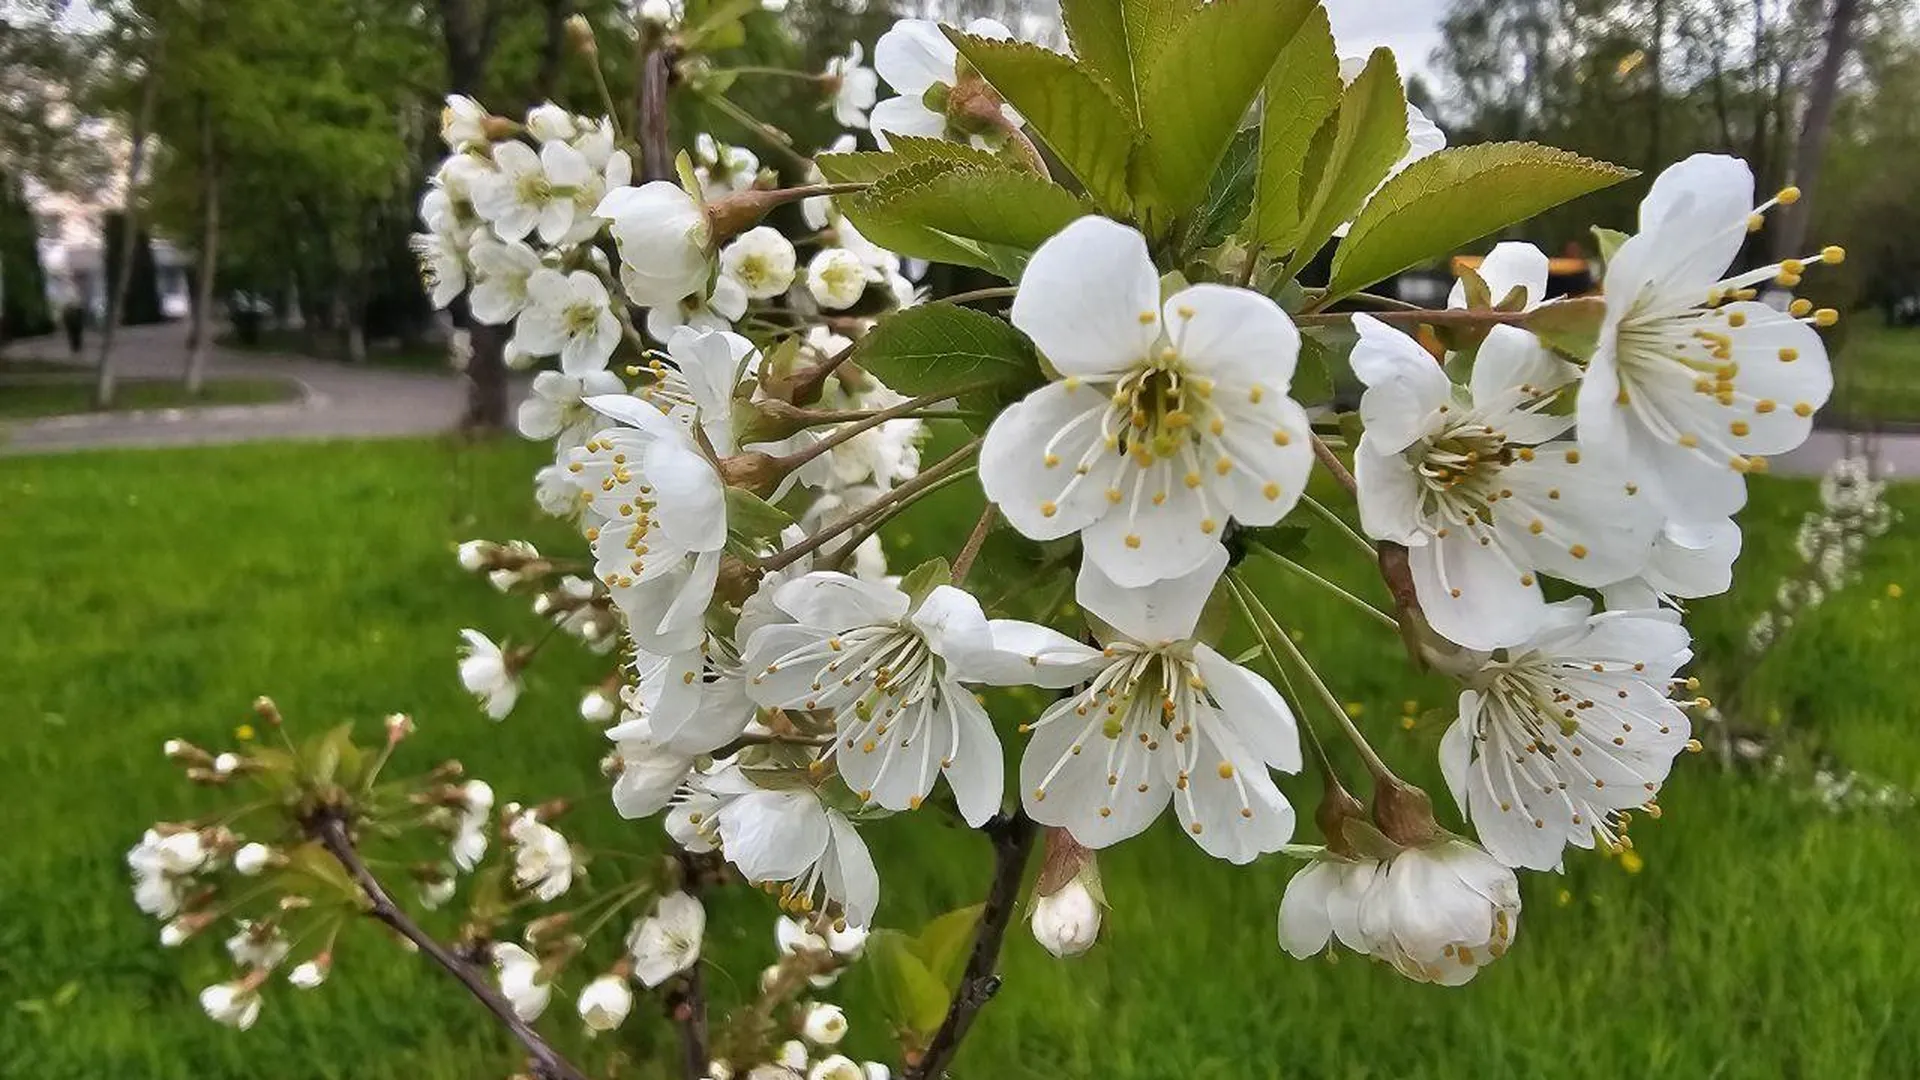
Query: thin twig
(329, 828)
(997, 292)
(1334, 465)
(970, 551)
(1309, 576)
(1279, 633)
(788, 556)
(873, 420)
(1327, 514)
(1242, 599)
(859, 536)
(1013, 839)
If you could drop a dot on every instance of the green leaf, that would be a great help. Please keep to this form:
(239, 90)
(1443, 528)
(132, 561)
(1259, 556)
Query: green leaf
(991, 206)
(1073, 112)
(925, 578)
(1349, 156)
(866, 166)
(1456, 196)
(935, 347)
(1120, 40)
(868, 210)
(1302, 91)
(1230, 193)
(1324, 367)
(945, 942)
(912, 996)
(1200, 88)
(751, 519)
(1571, 326)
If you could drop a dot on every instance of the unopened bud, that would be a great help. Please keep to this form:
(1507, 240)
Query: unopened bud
(1337, 807)
(824, 1024)
(312, 973)
(252, 859)
(1066, 908)
(399, 726)
(499, 128)
(265, 709)
(548, 926)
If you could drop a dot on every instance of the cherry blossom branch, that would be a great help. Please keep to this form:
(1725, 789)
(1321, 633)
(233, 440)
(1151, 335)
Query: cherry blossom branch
(687, 1004)
(1013, 838)
(970, 551)
(788, 556)
(1243, 599)
(768, 134)
(329, 829)
(656, 72)
(859, 536)
(1338, 522)
(873, 420)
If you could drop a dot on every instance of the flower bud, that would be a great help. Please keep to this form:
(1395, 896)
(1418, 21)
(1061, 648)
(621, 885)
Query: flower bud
(604, 1003)
(793, 1055)
(836, 1067)
(1068, 922)
(235, 1004)
(399, 726)
(580, 35)
(250, 860)
(312, 973)
(475, 555)
(1403, 812)
(824, 1024)
(596, 707)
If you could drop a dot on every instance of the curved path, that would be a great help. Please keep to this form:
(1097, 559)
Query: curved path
(338, 400)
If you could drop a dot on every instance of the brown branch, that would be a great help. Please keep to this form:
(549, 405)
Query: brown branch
(329, 828)
(927, 478)
(656, 151)
(970, 551)
(1013, 839)
(687, 1004)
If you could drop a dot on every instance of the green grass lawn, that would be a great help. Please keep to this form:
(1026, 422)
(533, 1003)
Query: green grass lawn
(1876, 374)
(27, 400)
(417, 357)
(154, 594)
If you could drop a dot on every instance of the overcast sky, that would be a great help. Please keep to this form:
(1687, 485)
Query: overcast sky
(1411, 28)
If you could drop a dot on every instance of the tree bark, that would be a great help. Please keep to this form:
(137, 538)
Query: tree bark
(1790, 229)
(468, 28)
(130, 226)
(209, 260)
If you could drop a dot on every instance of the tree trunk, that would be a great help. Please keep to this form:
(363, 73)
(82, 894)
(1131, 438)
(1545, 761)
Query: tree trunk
(1790, 230)
(209, 255)
(553, 49)
(1656, 86)
(468, 28)
(130, 230)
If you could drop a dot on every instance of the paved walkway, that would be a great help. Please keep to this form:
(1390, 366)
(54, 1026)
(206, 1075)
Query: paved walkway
(338, 400)
(355, 401)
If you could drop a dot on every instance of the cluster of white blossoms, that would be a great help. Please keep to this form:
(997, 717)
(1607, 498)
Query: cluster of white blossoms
(774, 704)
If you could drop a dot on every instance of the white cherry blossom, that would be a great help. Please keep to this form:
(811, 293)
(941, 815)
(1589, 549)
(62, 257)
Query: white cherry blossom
(1467, 480)
(1688, 561)
(723, 169)
(1170, 420)
(1510, 265)
(662, 235)
(837, 278)
(855, 88)
(1164, 718)
(1690, 383)
(1441, 912)
(542, 858)
(1066, 922)
(667, 942)
(1560, 736)
(890, 672)
(918, 61)
(555, 408)
(488, 674)
(463, 122)
(235, 1004)
(761, 260)
(547, 122)
(570, 315)
(532, 192)
(823, 1024)
(787, 835)
(501, 271)
(522, 982)
(717, 309)
(1322, 902)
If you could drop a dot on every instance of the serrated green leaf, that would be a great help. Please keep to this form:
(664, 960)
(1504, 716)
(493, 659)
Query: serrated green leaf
(1199, 89)
(1349, 156)
(991, 206)
(1456, 196)
(1073, 111)
(1229, 193)
(1302, 91)
(1120, 40)
(912, 997)
(866, 166)
(935, 347)
(945, 942)
(1571, 326)
(870, 213)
